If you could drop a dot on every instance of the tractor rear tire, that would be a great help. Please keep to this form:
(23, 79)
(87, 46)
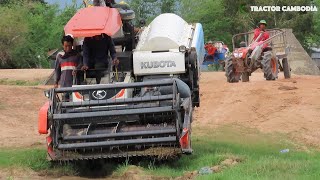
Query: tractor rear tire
(270, 66)
(245, 77)
(231, 74)
(286, 68)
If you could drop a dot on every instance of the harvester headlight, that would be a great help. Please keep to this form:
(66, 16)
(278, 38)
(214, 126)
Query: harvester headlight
(237, 54)
(46, 93)
(182, 49)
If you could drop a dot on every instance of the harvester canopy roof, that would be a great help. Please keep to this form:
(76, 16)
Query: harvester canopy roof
(93, 21)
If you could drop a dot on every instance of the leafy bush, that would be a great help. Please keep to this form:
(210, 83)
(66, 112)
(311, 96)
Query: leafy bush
(28, 30)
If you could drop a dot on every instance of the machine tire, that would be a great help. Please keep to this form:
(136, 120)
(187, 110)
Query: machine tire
(196, 93)
(232, 76)
(245, 77)
(270, 66)
(286, 68)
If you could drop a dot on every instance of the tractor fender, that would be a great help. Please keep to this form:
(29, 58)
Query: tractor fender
(43, 118)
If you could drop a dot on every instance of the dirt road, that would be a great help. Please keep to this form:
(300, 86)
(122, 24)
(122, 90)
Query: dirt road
(290, 106)
(25, 74)
(19, 110)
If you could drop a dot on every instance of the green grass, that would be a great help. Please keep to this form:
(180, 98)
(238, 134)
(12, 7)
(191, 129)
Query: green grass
(34, 159)
(19, 82)
(2, 105)
(259, 154)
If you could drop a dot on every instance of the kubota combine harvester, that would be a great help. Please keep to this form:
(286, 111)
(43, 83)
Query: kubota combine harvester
(144, 107)
(270, 55)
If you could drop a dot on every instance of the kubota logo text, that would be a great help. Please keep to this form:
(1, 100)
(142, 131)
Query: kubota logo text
(157, 64)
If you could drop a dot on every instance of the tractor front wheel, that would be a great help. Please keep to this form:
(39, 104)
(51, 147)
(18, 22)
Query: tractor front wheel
(286, 68)
(270, 66)
(231, 74)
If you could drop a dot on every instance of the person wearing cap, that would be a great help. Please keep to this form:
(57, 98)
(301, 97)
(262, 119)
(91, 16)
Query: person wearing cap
(261, 29)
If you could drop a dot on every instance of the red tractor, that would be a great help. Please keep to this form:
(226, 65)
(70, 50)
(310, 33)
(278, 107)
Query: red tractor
(270, 55)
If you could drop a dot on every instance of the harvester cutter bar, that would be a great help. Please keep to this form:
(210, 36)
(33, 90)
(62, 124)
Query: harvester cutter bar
(171, 139)
(117, 135)
(154, 153)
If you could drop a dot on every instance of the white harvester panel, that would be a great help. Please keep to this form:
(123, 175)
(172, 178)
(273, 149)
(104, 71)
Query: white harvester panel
(146, 62)
(158, 49)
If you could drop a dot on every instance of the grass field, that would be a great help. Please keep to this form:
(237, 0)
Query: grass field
(19, 82)
(258, 154)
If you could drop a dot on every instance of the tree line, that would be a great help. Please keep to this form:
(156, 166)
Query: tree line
(30, 28)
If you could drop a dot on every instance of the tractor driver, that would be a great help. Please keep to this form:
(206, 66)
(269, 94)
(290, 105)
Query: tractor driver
(96, 54)
(261, 29)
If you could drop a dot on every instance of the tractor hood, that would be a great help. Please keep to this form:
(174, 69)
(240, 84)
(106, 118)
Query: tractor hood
(92, 21)
(240, 52)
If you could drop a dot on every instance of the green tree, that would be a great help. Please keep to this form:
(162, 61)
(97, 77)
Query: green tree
(144, 9)
(28, 30)
(313, 39)
(211, 14)
(13, 29)
(6, 2)
(168, 6)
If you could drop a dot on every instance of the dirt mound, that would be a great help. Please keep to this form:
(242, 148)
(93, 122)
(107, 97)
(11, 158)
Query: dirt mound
(227, 163)
(290, 106)
(300, 61)
(287, 88)
(18, 173)
(136, 173)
